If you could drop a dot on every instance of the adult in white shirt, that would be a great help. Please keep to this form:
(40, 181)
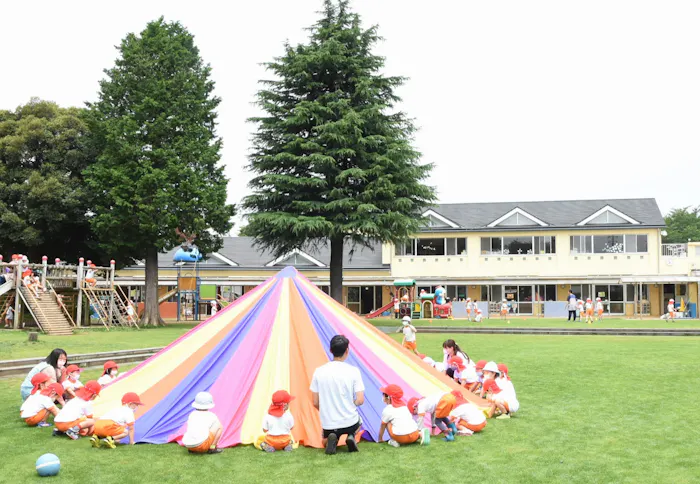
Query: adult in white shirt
(337, 391)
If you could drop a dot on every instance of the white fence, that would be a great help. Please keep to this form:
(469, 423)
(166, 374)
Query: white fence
(674, 250)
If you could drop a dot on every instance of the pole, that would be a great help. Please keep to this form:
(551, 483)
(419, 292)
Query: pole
(44, 264)
(18, 288)
(79, 314)
(111, 293)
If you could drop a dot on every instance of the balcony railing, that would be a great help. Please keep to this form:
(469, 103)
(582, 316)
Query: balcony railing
(674, 250)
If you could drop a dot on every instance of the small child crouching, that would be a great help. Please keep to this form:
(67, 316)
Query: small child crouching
(203, 427)
(397, 419)
(117, 424)
(439, 407)
(72, 383)
(75, 418)
(111, 370)
(278, 424)
(468, 417)
(36, 409)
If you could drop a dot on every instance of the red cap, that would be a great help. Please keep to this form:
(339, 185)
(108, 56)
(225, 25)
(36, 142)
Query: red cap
(459, 397)
(503, 368)
(412, 403)
(109, 365)
(38, 379)
(44, 258)
(396, 394)
(480, 364)
(279, 398)
(457, 361)
(56, 388)
(72, 368)
(131, 397)
(93, 387)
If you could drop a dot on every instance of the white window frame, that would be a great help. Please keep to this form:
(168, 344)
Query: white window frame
(491, 253)
(624, 244)
(518, 211)
(612, 210)
(414, 244)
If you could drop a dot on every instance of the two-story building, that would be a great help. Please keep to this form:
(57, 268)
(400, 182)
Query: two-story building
(525, 252)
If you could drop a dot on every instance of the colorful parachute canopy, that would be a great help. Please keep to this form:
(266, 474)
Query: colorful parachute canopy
(272, 338)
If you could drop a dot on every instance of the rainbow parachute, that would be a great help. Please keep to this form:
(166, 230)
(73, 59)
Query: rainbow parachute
(272, 338)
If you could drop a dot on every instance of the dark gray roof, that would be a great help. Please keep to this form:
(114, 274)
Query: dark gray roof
(556, 214)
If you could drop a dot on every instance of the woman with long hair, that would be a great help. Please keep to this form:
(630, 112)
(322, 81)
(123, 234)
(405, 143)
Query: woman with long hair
(53, 366)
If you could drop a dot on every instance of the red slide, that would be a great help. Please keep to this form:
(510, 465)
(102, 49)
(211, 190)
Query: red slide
(379, 311)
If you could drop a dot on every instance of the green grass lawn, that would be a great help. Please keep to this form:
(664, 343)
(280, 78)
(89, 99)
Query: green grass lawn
(532, 322)
(593, 409)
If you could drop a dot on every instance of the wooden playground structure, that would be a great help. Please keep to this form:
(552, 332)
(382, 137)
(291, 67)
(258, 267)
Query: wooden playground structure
(64, 296)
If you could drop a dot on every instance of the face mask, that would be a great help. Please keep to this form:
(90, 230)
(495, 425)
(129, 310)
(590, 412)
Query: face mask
(446, 351)
(61, 363)
(113, 372)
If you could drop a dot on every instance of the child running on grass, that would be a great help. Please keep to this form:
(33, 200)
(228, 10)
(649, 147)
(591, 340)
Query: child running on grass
(75, 418)
(504, 309)
(36, 409)
(397, 419)
(467, 416)
(117, 424)
(581, 310)
(439, 407)
(203, 427)
(589, 311)
(278, 424)
(599, 308)
(409, 335)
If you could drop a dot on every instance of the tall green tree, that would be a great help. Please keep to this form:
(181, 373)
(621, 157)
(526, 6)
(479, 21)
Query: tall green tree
(683, 224)
(43, 197)
(332, 157)
(158, 169)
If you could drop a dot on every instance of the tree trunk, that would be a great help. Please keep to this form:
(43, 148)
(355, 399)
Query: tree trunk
(337, 269)
(151, 313)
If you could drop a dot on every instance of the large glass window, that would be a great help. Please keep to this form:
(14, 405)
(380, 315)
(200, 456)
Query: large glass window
(457, 246)
(581, 244)
(633, 289)
(582, 291)
(517, 245)
(406, 248)
(547, 292)
(545, 245)
(609, 244)
(457, 293)
(612, 296)
(522, 245)
(430, 246)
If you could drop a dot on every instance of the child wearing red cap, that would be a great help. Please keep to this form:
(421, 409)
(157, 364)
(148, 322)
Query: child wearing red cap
(409, 335)
(439, 407)
(111, 370)
(465, 375)
(396, 418)
(72, 382)
(39, 382)
(466, 416)
(599, 308)
(118, 423)
(204, 428)
(36, 409)
(278, 424)
(479, 370)
(75, 418)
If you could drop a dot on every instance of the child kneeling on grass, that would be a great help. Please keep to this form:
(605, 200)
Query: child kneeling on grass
(439, 407)
(278, 424)
(75, 418)
(72, 382)
(118, 423)
(203, 427)
(467, 417)
(36, 409)
(397, 419)
(499, 391)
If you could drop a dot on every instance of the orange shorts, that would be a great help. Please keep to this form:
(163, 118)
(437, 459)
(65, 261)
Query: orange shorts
(404, 439)
(204, 447)
(600, 312)
(469, 311)
(504, 312)
(34, 421)
(473, 428)
(108, 428)
(63, 426)
(278, 442)
(589, 312)
(91, 281)
(411, 345)
(445, 406)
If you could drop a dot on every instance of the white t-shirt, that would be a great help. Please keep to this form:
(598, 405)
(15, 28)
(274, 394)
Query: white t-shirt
(73, 410)
(278, 425)
(90, 274)
(589, 306)
(671, 308)
(478, 317)
(199, 424)
(72, 385)
(28, 281)
(408, 334)
(468, 374)
(508, 394)
(504, 307)
(129, 310)
(599, 306)
(429, 403)
(123, 416)
(400, 418)
(35, 404)
(104, 379)
(469, 413)
(337, 383)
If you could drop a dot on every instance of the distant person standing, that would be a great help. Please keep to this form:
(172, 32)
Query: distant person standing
(571, 305)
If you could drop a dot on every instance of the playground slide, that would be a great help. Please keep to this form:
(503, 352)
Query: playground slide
(6, 287)
(379, 311)
(167, 296)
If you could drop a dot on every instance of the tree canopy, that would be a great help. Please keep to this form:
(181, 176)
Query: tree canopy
(43, 197)
(332, 157)
(154, 126)
(683, 224)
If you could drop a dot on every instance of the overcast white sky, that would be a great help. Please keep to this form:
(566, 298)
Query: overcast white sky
(515, 100)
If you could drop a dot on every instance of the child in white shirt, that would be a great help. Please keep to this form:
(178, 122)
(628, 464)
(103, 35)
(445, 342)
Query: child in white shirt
(118, 423)
(467, 417)
(599, 308)
(439, 407)
(111, 370)
(409, 335)
(589, 311)
(75, 418)
(397, 419)
(71, 383)
(37, 407)
(278, 424)
(203, 427)
(478, 317)
(504, 309)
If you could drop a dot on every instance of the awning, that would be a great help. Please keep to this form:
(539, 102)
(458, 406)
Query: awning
(658, 279)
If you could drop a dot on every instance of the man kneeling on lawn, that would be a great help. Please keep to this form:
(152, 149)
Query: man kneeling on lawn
(337, 391)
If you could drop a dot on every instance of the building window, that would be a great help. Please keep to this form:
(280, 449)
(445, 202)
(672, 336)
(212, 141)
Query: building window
(457, 293)
(547, 292)
(612, 296)
(430, 246)
(456, 246)
(406, 248)
(354, 299)
(633, 289)
(522, 245)
(581, 291)
(519, 299)
(609, 244)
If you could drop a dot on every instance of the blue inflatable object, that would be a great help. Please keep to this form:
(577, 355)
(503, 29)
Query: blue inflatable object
(440, 296)
(187, 254)
(48, 465)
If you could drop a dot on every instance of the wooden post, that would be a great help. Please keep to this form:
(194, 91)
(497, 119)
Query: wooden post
(111, 293)
(44, 268)
(18, 288)
(79, 282)
(33, 336)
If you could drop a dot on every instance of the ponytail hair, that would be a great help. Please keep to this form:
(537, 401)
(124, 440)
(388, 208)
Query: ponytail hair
(450, 343)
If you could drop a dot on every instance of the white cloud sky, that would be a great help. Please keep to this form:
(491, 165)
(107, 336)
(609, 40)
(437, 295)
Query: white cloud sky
(537, 100)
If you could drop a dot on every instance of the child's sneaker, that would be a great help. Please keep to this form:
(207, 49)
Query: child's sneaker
(453, 427)
(57, 433)
(465, 432)
(449, 437)
(425, 437)
(43, 424)
(289, 448)
(215, 450)
(351, 443)
(267, 447)
(73, 433)
(95, 442)
(393, 443)
(109, 441)
(503, 416)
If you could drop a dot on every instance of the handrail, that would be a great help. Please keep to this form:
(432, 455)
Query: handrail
(29, 307)
(60, 303)
(123, 298)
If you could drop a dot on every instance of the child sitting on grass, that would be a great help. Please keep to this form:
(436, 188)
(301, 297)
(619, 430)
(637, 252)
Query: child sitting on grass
(36, 409)
(397, 419)
(278, 424)
(497, 391)
(479, 369)
(72, 382)
(467, 416)
(111, 370)
(75, 418)
(118, 423)
(203, 427)
(439, 407)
